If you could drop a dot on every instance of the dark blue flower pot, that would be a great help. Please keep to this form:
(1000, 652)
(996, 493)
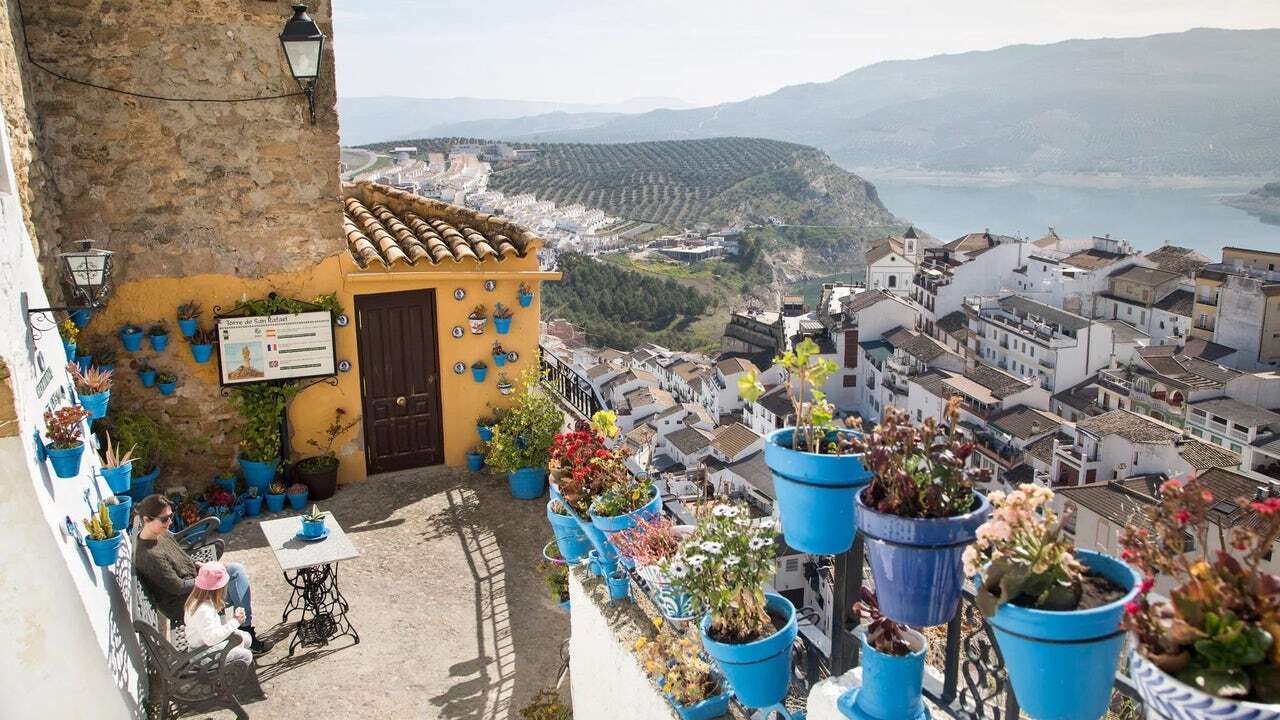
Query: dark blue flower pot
(226, 522)
(713, 707)
(478, 374)
(188, 327)
(201, 352)
(595, 564)
(80, 318)
(525, 299)
(143, 485)
(70, 348)
(486, 432)
(118, 478)
(499, 360)
(252, 506)
(297, 501)
(105, 552)
(1086, 641)
(66, 461)
(527, 483)
(258, 474)
(891, 684)
(96, 404)
(167, 388)
(619, 583)
(226, 483)
(573, 543)
(132, 341)
(475, 461)
(275, 503)
(84, 362)
(815, 494)
(119, 513)
(502, 325)
(916, 562)
(148, 377)
(312, 528)
(610, 525)
(758, 672)
(158, 342)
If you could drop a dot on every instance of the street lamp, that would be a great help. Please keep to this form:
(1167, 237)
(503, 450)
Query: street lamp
(302, 42)
(86, 275)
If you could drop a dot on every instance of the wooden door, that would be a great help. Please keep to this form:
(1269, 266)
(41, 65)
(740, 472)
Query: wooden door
(399, 380)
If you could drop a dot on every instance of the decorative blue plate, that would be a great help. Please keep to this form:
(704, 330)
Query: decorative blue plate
(304, 538)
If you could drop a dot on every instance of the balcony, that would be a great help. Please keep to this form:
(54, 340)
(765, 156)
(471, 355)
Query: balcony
(1210, 301)
(1005, 455)
(1115, 381)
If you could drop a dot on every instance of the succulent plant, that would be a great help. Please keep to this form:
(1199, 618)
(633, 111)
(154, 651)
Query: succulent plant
(98, 525)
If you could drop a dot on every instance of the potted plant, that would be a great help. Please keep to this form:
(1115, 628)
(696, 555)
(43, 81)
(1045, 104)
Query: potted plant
(484, 427)
(275, 497)
(152, 443)
(816, 469)
(252, 500)
(188, 317)
(501, 318)
(188, 514)
(261, 406)
(583, 467)
(104, 358)
(70, 334)
(570, 539)
(320, 472)
(226, 480)
(499, 354)
(1050, 605)
(158, 335)
(475, 457)
(918, 513)
(201, 343)
(119, 508)
(226, 515)
(131, 337)
(504, 384)
(525, 295)
(892, 661)
(684, 675)
(146, 373)
(647, 545)
(522, 439)
(80, 317)
(166, 382)
(117, 469)
(749, 632)
(619, 584)
(1210, 651)
(622, 505)
(65, 446)
(555, 576)
(313, 523)
(94, 388)
(102, 538)
(478, 317)
(297, 496)
(479, 369)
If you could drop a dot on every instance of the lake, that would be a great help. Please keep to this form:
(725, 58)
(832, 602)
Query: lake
(1146, 216)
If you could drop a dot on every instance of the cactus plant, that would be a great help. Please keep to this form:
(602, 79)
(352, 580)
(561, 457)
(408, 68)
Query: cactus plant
(98, 525)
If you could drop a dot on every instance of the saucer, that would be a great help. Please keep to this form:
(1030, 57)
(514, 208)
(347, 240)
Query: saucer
(304, 538)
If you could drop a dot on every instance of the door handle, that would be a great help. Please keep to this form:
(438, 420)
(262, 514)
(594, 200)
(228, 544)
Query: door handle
(400, 401)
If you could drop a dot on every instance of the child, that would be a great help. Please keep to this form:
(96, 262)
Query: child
(202, 614)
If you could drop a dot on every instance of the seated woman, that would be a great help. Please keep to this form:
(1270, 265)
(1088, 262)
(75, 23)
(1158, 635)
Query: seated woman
(202, 614)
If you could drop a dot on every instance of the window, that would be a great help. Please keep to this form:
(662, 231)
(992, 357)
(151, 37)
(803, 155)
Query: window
(893, 281)
(850, 381)
(851, 348)
(1235, 448)
(793, 564)
(1197, 432)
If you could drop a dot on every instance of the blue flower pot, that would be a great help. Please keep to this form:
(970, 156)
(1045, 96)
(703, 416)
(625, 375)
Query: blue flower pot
(758, 672)
(478, 374)
(167, 388)
(66, 461)
(118, 478)
(105, 552)
(619, 583)
(525, 299)
(573, 543)
(132, 341)
(143, 485)
(70, 348)
(226, 483)
(500, 360)
(916, 562)
(610, 525)
(502, 325)
(486, 432)
(275, 503)
(1086, 641)
(713, 707)
(258, 474)
(252, 506)
(158, 342)
(564, 605)
(201, 352)
(297, 501)
(148, 377)
(188, 327)
(226, 522)
(96, 404)
(527, 483)
(119, 513)
(595, 564)
(475, 461)
(891, 684)
(815, 494)
(80, 318)
(312, 528)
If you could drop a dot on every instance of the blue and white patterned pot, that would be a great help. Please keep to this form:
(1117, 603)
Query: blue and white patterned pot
(1167, 698)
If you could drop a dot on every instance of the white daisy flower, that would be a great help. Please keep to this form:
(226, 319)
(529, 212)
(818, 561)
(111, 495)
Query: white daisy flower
(723, 511)
(732, 560)
(758, 542)
(712, 547)
(697, 561)
(742, 522)
(677, 569)
(767, 524)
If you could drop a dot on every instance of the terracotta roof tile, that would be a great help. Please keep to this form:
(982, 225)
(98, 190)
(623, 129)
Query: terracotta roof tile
(1203, 456)
(1130, 426)
(731, 440)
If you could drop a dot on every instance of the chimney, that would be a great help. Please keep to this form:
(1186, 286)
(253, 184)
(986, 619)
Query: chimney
(1035, 427)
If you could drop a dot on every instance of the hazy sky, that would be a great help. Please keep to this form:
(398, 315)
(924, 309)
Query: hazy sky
(706, 51)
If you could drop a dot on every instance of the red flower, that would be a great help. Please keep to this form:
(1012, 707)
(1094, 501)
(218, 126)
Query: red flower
(1267, 507)
(1182, 516)
(1147, 584)
(1132, 608)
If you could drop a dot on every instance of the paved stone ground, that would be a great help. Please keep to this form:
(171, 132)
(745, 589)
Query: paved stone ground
(453, 619)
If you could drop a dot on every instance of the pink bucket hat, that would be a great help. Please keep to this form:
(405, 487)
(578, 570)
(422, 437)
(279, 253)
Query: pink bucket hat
(212, 575)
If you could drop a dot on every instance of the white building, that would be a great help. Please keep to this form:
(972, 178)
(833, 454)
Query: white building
(1070, 273)
(976, 264)
(1029, 339)
(1120, 443)
(891, 263)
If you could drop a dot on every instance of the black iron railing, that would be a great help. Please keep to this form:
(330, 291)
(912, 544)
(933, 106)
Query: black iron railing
(574, 390)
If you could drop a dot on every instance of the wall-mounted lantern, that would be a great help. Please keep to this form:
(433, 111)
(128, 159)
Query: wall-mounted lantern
(302, 42)
(86, 275)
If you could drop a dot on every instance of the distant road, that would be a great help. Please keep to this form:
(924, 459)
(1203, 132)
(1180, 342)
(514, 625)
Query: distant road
(357, 160)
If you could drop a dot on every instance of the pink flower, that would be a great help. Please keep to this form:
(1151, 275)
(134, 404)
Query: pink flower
(1182, 516)
(1147, 584)
(1132, 608)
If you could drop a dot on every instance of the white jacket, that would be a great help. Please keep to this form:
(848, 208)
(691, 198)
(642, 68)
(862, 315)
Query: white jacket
(205, 627)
